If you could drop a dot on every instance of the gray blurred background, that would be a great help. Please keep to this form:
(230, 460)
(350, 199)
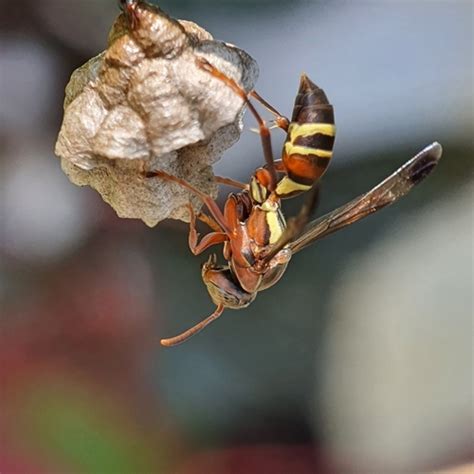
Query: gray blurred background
(360, 359)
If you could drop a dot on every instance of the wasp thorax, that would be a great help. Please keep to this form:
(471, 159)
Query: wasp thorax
(223, 287)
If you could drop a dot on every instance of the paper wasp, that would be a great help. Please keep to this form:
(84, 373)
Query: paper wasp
(258, 243)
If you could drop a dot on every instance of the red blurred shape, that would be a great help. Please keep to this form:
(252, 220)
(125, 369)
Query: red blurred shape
(274, 459)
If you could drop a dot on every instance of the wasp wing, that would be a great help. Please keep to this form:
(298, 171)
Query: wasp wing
(388, 191)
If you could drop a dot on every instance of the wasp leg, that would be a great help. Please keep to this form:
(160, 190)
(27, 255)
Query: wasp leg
(209, 221)
(205, 198)
(263, 129)
(174, 341)
(230, 182)
(280, 120)
(279, 166)
(295, 225)
(207, 241)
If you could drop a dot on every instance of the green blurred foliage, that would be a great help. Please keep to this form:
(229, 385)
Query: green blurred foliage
(79, 426)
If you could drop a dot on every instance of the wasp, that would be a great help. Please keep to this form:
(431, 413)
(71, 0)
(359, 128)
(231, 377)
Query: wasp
(257, 241)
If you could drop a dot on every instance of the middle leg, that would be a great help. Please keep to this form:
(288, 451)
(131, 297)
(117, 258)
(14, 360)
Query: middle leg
(205, 198)
(264, 131)
(280, 120)
(231, 182)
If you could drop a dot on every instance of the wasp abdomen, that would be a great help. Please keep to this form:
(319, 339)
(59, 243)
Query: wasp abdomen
(310, 140)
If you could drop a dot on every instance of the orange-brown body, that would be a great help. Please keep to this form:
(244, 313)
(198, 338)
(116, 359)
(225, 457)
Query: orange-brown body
(254, 227)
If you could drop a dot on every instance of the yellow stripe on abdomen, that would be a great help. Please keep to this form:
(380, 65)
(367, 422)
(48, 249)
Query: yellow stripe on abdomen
(307, 129)
(291, 149)
(287, 187)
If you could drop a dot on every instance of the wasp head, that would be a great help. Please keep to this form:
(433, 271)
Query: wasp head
(223, 287)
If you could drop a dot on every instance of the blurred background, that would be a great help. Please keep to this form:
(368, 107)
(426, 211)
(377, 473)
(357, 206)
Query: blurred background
(359, 360)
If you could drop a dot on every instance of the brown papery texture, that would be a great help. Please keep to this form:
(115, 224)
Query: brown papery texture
(144, 104)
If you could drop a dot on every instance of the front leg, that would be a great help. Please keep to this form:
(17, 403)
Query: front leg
(209, 221)
(207, 241)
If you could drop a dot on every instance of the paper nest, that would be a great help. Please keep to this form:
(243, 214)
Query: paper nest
(144, 104)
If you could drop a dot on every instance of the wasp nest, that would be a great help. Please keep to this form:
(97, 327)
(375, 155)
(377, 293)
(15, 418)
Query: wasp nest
(145, 104)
